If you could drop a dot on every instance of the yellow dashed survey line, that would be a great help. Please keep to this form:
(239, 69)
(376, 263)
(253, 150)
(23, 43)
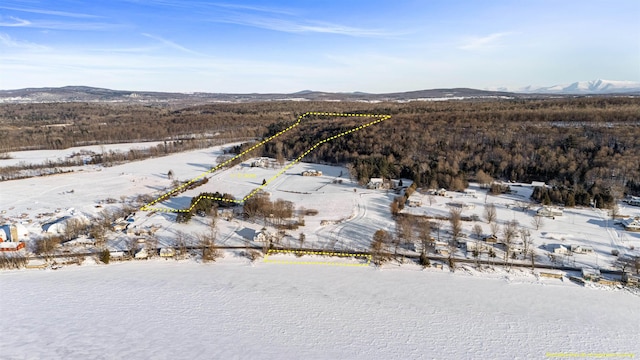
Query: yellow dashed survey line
(318, 253)
(380, 118)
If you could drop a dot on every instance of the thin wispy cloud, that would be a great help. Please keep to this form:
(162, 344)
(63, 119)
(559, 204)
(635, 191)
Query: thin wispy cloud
(263, 9)
(14, 22)
(484, 42)
(170, 44)
(127, 50)
(9, 42)
(50, 12)
(203, 5)
(302, 26)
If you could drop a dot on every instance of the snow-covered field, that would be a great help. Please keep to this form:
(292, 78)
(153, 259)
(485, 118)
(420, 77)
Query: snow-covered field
(233, 310)
(348, 215)
(42, 156)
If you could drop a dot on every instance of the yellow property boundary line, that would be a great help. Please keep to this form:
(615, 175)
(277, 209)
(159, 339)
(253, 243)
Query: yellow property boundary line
(318, 253)
(380, 118)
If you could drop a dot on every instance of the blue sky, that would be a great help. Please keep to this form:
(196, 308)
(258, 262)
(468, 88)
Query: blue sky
(287, 46)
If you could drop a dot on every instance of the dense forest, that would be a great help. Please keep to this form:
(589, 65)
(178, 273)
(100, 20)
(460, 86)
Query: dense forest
(584, 147)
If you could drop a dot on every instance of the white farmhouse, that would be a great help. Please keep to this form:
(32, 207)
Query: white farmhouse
(262, 236)
(581, 249)
(550, 211)
(142, 254)
(375, 183)
(560, 250)
(631, 224)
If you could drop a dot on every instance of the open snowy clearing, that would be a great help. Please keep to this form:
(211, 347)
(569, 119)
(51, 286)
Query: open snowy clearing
(231, 309)
(36, 157)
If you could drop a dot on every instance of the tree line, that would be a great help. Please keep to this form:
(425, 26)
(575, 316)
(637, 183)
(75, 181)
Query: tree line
(579, 145)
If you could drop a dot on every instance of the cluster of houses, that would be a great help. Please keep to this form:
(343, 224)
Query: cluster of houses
(142, 254)
(594, 275)
(560, 249)
(517, 247)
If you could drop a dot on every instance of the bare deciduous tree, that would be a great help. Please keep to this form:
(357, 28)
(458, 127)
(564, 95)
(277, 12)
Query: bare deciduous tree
(490, 213)
(527, 240)
(628, 263)
(424, 233)
(537, 222)
(483, 179)
(46, 246)
(455, 218)
(132, 246)
(477, 231)
(207, 241)
(437, 226)
(509, 232)
(431, 199)
(181, 244)
(302, 237)
(379, 246)
(73, 228)
(495, 229)
(615, 211)
(98, 230)
(279, 153)
(404, 228)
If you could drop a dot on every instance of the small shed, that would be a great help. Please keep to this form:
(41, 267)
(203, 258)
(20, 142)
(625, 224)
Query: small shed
(142, 254)
(415, 199)
(491, 239)
(442, 250)
(591, 274)
(630, 279)
(167, 252)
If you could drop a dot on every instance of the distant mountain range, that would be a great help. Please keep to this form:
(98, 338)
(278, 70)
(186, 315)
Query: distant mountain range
(91, 94)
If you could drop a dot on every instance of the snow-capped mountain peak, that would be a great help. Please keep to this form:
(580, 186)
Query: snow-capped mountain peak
(587, 87)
